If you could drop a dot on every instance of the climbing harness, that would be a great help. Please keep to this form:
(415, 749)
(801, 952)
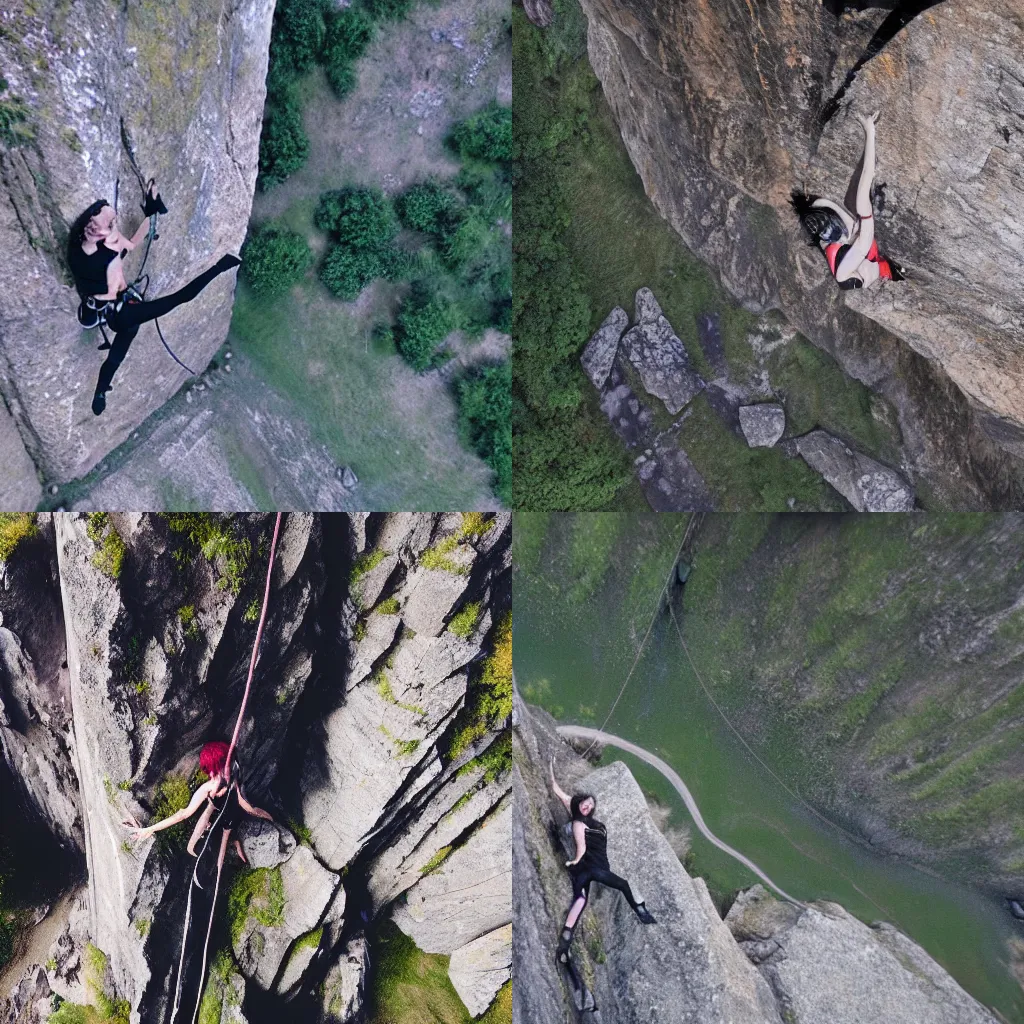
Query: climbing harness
(213, 828)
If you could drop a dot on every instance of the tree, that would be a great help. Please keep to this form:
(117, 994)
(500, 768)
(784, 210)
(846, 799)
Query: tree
(359, 217)
(485, 420)
(273, 259)
(487, 135)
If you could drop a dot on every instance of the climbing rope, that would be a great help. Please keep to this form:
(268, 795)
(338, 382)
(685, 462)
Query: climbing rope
(151, 236)
(690, 526)
(255, 648)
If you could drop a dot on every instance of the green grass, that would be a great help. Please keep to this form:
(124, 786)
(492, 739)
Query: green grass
(436, 861)
(172, 794)
(256, 893)
(14, 528)
(475, 524)
(489, 700)
(404, 748)
(219, 539)
(495, 761)
(189, 622)
(436, 557)
(464, 622)
(110, 548)
(389, 606)
(594, 536)
(408, 986)
(217, 992)
(529, 531)
(366, 563)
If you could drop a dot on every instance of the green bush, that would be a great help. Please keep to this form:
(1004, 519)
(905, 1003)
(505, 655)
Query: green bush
(300, 26)
(485, 420)
(349, 33)
(426, 207)
(487, 135)
(274, 258)
(341, 75)
(346, 272)
(381, 10)
(359, 217)
(284, 146)
(464, 239)
(423, 323)
(14, 528)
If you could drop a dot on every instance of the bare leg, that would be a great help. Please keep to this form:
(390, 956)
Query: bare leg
(574, 912)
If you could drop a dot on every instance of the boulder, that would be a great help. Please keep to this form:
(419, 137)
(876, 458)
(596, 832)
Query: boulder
(481, 967)
(468, 895)
(826, 967)
(866, 484)
(306, 888)
(20, 489)
(224, 993)
(266, 844)
(603, 346)
(762, 424)
(659, 356)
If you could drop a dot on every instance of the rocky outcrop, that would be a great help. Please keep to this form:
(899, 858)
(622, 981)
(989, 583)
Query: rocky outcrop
(866, 484)
(719, 106)
(658, 355)
(826, 967)
(184, 93)
(768, 961)
(603, 346)
(481, 967)
(344, 991)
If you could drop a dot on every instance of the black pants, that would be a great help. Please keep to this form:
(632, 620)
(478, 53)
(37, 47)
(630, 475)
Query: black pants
(126, 322)
(582, 878)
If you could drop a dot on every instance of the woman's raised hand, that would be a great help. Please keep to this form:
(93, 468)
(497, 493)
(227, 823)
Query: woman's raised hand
(867, 121)
(137, 833)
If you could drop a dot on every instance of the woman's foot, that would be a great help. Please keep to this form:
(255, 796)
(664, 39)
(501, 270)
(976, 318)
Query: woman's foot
(228, 262)
(644, 914)
(562, 952)
(99, 402)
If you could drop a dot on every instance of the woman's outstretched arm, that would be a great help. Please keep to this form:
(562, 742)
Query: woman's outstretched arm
(186, 812)
(579, 833)
(559, 792)
(256, 812)
(201, 826)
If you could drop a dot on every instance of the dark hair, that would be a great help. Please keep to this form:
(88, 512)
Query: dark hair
(76, 233)
(574, 806)
(818, 221)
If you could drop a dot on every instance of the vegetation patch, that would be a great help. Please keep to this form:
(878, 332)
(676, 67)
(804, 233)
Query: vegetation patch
(436, 861)
(404, 748)
(189, 622)
(14, 528)
(274, 258)
(257, 893)
(489, 701)
(409, 986)
(110, 548)
(173, 794)
(219, 539)
(366, 563)
(217, 990)
(464, 622)
(389, 606)
(436, 557)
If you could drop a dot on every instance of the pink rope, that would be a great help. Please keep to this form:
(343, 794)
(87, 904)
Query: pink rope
(255, 650)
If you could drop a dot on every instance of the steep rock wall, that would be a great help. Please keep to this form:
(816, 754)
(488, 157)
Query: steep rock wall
(767, 961)
(719, 105)
(186, 80)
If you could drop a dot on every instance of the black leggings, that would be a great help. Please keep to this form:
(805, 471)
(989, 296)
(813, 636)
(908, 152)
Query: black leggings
(581, 884)
(126, 322)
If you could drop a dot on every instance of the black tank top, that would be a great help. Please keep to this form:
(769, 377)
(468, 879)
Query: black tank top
(596, 855)
(90, 269)
(229, 805)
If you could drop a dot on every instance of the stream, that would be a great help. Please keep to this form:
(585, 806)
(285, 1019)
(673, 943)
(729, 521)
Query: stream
(572, 657)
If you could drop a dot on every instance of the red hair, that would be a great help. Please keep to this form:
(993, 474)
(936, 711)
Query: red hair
(213, 758)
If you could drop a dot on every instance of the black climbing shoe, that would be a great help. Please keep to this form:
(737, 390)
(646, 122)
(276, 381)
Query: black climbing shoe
(100, 348)
(228, 262)
(644, 914)
(99, 402)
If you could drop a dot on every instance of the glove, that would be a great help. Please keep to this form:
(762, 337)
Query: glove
(153, 204)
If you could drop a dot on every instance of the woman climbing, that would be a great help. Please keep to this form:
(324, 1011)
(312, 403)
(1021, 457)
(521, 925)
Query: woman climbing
(95, 251)
(590, 863)
(847, 241)
(226, 807)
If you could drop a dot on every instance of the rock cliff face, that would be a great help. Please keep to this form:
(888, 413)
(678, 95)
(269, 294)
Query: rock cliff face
(186, 83)
(720, 104)
(137, 653)
(767, 962)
